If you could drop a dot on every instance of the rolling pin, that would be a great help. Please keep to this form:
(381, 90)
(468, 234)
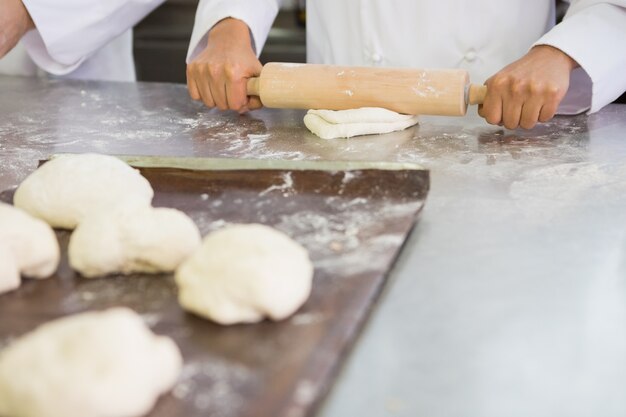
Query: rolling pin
(442, 92)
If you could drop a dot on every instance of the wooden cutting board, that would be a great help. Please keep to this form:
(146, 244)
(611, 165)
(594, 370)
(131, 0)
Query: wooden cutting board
(353, 218)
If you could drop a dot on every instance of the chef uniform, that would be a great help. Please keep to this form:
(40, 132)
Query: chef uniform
(79, 39)
(482, 36)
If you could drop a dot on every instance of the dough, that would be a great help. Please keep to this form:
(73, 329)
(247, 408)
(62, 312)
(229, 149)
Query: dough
(243, 273)
(28, 246)
(106, 364)
(331, 124)
(131, 240)
(65, 189)
(9, 271)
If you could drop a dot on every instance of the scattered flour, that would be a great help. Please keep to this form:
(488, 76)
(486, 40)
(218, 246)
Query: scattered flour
(214, 386)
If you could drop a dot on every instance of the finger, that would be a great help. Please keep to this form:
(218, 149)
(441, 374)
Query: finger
(257, 67)
(194, 93)
(236, 94)
(218, 92)
(246, 108)
(530, 113)
(254, 103)
(511, 112)
(199, 77)
(205, 92)
(491, 108)
(548, 111)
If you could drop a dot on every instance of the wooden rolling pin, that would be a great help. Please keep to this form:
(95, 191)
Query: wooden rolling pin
(445, 92)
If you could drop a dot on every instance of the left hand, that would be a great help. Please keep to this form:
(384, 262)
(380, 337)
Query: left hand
(529, 90)
(14, 23)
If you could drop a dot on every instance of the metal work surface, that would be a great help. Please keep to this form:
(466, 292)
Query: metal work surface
(510, 298)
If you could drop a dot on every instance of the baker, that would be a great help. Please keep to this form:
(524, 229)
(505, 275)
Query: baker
(79, 39)
(532, 68)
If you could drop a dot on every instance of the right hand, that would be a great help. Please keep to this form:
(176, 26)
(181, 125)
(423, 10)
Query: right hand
(14, 23)
(218, 75)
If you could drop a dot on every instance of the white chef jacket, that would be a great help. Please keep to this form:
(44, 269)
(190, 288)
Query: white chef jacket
(482, 36)
(80, 39)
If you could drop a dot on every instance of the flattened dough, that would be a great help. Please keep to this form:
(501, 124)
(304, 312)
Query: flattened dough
(28, 246)
(332, 124)
(244, 273)
(64, 190)
(131, 240)
(105, 363)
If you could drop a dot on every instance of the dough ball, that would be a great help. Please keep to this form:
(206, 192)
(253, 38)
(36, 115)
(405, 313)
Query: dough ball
(28, 246)
(91, 364)
(64, 190)
(332, 124)
(9, 271)
(131, 240)
(243, 273)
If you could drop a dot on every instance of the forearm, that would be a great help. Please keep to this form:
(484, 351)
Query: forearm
(258, 15)
(593, 34)
(15, 21)
(68, 34)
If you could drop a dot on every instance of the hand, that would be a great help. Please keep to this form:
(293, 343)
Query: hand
(528, 90)
(14, 23)
(218, 76)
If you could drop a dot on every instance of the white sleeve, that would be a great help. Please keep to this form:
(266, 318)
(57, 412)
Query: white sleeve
(257, 14)
(593, 33)
(70, 31)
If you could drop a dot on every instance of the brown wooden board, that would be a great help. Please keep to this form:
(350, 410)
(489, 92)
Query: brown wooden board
(354, 225)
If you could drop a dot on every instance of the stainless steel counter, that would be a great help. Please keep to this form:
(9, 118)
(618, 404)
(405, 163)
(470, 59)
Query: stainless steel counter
(510, 298)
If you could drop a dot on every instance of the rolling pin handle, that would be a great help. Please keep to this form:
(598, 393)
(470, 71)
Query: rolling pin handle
(253, 86)
(476, 94)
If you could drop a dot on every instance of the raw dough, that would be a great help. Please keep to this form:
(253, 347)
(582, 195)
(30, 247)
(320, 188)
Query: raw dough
(28, 246)
(9, 271)
(243, 273)
(132, 240)
(65, 189)
(332, 124)
(91, 364)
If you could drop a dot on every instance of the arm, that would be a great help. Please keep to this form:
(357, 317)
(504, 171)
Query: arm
(532, 88)
(593, 33)
(228, 36)
(14, 23)
(69, 32)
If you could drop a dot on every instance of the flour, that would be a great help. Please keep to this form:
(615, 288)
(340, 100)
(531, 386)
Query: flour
(337, 240)
(257, 146)
(285, 188)
(212, 383)
(554, 191)
(138, 291)
(256, 137)
(207, 223)
(490, 154)
(349, 176)
(305, 393)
